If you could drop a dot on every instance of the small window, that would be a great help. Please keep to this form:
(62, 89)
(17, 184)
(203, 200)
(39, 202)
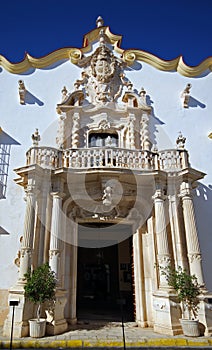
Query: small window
(103, 140)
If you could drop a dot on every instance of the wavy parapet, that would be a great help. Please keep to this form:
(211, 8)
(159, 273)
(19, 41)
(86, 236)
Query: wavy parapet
(129, 56)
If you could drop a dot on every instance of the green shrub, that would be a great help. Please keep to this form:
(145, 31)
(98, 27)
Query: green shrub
(40, 286)
(187, 289)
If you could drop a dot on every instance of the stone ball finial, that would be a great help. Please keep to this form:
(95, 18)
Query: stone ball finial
(99, 22)
(142, 92)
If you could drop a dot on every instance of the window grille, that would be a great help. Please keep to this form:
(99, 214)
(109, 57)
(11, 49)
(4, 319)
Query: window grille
(5, 146)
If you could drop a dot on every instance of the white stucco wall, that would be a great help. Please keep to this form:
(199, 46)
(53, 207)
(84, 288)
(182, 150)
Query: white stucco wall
(164, 90)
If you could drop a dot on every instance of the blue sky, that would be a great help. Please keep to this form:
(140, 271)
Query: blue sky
(165, 28)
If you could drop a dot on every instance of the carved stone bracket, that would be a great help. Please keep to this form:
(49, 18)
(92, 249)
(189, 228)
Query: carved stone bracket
(185, 95)
(22, 91)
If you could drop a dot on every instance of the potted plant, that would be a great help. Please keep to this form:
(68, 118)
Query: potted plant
(188, 290)
(40, 287)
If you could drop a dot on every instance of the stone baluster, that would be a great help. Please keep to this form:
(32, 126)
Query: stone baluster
(144, 134)
(28, 235)
(192, 242)
(54, 252)
(75, 130)
(163, 253)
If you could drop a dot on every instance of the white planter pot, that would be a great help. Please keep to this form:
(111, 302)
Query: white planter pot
(37, 329)
(190, 327)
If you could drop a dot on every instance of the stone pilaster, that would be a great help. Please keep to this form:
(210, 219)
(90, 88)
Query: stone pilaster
(180, 258)
(47, 228)
(42, 217)
(73, 276)
(56, 321)
(192, 242)
(24, 310)
(139, 279)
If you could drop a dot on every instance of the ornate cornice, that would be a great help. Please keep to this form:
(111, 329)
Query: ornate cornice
(129, 56)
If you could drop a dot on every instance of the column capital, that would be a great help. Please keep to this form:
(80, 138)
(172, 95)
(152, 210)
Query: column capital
(58, 194)
(194, 257)
(30, 189)
(159, 194)
(185, 190)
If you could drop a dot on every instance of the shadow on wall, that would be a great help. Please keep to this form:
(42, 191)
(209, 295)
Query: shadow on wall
(154, 121)
(195, 103)
(31, 99)
(203, 209)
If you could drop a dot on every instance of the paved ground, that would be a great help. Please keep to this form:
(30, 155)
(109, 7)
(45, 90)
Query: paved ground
(104, 335)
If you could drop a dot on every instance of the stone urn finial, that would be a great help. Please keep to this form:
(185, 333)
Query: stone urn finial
(180, 141)
(35, 138)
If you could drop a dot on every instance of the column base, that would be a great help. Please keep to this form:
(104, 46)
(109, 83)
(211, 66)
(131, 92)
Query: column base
(56, 327)
(56, 323)
(167, 313)
(205, 315)
(142, 324)
(72, 321)
(22, 313)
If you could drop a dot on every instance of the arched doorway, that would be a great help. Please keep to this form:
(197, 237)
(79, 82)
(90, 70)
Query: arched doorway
(104, 275)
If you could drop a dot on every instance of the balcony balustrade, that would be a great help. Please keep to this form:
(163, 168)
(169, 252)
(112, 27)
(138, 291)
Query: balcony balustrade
(117, 158)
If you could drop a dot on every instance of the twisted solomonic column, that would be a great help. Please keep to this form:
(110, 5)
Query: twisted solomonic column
(131, 128)
(144, 133)
(75, 130)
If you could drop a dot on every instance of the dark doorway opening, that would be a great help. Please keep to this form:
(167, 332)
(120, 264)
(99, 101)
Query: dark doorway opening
(99, 295)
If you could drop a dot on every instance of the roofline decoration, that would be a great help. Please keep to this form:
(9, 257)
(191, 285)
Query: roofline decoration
(129, 56)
